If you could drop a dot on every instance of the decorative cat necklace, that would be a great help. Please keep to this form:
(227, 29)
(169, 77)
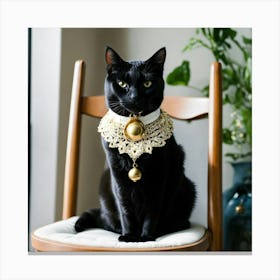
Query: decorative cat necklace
(136, 135)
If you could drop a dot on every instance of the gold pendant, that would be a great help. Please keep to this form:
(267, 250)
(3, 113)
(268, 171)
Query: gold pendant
(134, 129)
(134, 173)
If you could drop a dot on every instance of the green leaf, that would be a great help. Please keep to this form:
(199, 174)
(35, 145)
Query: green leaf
(247, 120)
(217, 35)
(227, 136)
(239, 95)
(193, 44)
(180, 75)
(231, 33)
(246, 40)
(222, 34)
(226, 99)
(205, 91)
(206, 32)
(228, 73)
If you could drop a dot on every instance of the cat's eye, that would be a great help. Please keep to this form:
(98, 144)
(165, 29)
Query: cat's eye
(122, 84)
(147, 84)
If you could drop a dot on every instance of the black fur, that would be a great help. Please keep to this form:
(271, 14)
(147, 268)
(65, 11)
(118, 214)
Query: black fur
(162, 201)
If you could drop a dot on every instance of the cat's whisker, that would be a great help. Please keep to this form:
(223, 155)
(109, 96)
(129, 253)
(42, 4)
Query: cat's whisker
(117, 107)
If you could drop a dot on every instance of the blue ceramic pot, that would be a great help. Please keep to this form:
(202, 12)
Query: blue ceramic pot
(237, 208)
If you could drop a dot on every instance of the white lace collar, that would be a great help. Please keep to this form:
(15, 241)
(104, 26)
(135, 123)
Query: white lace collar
(157, 128)
(157, 131)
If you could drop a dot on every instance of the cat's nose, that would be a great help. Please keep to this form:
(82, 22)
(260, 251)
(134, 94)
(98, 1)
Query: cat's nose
(133, 95)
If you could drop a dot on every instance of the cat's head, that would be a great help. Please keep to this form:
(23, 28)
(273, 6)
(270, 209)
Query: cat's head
(136, 86)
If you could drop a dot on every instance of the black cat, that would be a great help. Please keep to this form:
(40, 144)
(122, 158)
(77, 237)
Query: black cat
(162, 200)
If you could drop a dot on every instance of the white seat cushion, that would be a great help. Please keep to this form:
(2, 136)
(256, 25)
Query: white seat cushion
(63, 231)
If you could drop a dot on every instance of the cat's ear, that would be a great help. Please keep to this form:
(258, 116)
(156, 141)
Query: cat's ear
(157, 60)
(112, 58)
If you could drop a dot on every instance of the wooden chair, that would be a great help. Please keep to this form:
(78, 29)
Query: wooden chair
(183, 108)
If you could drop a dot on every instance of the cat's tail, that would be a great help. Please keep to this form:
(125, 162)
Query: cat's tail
(89, 219)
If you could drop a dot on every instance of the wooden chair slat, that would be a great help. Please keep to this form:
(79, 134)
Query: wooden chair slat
(178, 107)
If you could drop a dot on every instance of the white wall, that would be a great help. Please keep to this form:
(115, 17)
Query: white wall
(45, 81)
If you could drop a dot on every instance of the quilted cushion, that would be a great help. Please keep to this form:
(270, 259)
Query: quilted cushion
(63, 231)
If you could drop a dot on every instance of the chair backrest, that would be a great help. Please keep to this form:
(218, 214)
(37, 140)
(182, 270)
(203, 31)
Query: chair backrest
(183, 108)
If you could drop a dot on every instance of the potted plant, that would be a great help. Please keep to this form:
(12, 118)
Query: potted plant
(237, 94)
(237, 89)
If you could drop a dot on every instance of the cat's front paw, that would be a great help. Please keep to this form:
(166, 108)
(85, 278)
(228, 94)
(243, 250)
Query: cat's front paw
(128, 238)
(146, 238)
(83, 222)
(80, 225)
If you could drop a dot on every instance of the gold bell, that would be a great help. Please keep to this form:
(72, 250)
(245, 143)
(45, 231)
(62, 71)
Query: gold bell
(134, 130)
(134, 174)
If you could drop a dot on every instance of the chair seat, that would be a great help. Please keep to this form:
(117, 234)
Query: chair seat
(61, 236)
